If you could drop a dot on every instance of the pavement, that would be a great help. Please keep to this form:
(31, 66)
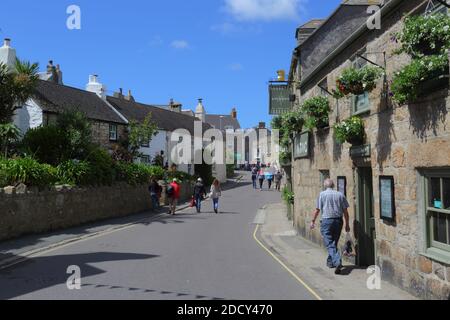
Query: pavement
(308, 261)
(152, 256)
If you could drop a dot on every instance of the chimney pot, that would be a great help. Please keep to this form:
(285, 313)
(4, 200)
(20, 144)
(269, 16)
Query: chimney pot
(7, 42)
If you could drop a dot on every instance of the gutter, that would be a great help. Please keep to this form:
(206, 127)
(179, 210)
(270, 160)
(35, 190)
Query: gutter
(361, 30)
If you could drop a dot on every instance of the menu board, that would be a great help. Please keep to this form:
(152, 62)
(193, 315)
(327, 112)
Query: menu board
(387, 200)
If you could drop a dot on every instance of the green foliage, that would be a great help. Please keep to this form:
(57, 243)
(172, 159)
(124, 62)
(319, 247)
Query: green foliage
(230, 170)
(9, 134)
(102, 166)
(47, 144)
(350, 130)
(204, 171)
(75, 173)
(425, 35)
(16, 87)
(358, 80)
(180, 176)
(288, 196)
(405, 82)
(136, 174)
(141, 134)
(78, 132)
(287, 124)
(316, 112)
(285, 157)
(27, 171)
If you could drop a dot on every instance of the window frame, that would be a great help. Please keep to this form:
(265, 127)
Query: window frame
(113, 129)
(433, 249)
(359, 63)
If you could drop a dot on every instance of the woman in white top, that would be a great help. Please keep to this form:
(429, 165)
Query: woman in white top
(216, 193)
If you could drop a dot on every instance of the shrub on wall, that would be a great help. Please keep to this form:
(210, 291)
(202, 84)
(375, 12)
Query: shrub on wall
(27, 171)
(425, 35)
(75, 173)
(288, 196)
(350, 130)
(406, 82)
(316, 112)
(102, 166)
(357, 81)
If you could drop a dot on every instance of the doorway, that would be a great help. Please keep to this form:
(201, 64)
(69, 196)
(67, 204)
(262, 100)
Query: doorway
(365, 218)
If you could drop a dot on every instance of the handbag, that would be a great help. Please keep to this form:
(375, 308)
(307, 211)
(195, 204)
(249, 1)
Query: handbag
(193, 202)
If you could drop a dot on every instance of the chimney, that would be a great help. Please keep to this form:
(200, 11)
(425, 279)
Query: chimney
(175, 106)
(119, 94)
(234, 113)
(262, 125)
(60, 74)
(200, 111)
(96, 87)
(7, 54)
(129, 97)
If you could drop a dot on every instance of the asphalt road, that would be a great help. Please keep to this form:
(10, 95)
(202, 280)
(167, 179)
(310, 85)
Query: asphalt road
(189, 256)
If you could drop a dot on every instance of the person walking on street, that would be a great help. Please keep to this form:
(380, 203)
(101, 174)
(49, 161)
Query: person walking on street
(334, 209)
(261, 177)
(278, 179)
(199, 194)
(216, 193)
(155, 191)
(269, 178)
(254, 177)
(173, 193)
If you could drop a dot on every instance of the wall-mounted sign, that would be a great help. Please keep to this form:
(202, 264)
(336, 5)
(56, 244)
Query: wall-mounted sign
(361, 151)
(387, 198)
(301, 145)
(342, 185)
(280, 98)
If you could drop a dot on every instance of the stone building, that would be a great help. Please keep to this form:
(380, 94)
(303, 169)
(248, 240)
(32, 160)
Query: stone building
(408, 144)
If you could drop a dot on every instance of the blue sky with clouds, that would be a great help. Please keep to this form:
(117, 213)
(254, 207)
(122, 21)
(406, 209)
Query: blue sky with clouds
(224, 51)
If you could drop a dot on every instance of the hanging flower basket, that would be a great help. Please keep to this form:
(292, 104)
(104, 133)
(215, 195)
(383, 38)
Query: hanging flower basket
(351, 131)
(316, 112)
(358, 81)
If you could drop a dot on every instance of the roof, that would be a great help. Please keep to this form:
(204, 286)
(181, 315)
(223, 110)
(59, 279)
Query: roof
(221, 121)
(165, 119)
(56, 98)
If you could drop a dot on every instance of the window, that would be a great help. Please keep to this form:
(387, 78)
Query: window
(145, 144)
(361, 103)
(437, 203)
(323, 86)
(435, 7)
(145, 159)
(113, 132)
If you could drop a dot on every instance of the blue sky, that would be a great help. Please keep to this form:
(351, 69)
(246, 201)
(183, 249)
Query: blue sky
(224, 51)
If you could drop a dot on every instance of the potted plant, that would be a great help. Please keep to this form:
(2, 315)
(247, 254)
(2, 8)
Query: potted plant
(407, 83)
(357, 81)
(316, 112)
(425, 35)
(351, 131)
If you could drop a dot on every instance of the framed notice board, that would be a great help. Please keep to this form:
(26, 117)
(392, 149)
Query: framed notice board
(387, 198)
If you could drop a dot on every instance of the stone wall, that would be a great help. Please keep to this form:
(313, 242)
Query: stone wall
(100, 134)
(404, 140)
(25, 212)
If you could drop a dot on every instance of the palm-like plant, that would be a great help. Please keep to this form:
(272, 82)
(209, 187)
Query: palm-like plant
(16, 87)
(9, 134)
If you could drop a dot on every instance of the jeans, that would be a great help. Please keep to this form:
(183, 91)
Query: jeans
(254, 184)
(331, 230)
(216, 204)
(198, 202)
(270, 183)
(155, 201)
(261, 184)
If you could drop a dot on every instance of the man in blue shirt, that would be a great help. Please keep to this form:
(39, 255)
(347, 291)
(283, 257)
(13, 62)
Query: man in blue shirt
(334, 208)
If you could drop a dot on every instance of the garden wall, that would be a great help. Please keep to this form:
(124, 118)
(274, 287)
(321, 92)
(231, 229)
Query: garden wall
(29, 212)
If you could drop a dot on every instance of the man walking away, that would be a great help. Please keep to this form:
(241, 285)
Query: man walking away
(216, 193)
(278, 179)
(155, 190)
(269, 178)
(261, 178)
(254, 177)
(173, 193)
(199, 194)
(334, 207)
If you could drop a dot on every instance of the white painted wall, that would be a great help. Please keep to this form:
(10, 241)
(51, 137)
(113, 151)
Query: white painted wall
(158, 144)
(28, 117)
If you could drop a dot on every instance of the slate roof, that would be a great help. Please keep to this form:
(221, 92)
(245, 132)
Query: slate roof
(227, 120)
(55, 98)
(165, 119)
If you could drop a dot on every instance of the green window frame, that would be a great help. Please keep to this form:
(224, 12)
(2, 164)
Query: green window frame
(361, 103)
(436, 184)
(113, 132)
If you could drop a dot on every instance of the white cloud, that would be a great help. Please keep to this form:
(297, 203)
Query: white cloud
(265, 9)
(180, 44)
(236, 67)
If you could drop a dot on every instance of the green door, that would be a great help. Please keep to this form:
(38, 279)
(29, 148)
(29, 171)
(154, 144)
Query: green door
(365, 218)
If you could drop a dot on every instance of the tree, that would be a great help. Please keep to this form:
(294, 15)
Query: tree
(9, 134)
(138, 134)
(78, 132)
(17, 85)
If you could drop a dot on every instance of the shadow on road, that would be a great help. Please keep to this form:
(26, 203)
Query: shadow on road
(52, 270)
